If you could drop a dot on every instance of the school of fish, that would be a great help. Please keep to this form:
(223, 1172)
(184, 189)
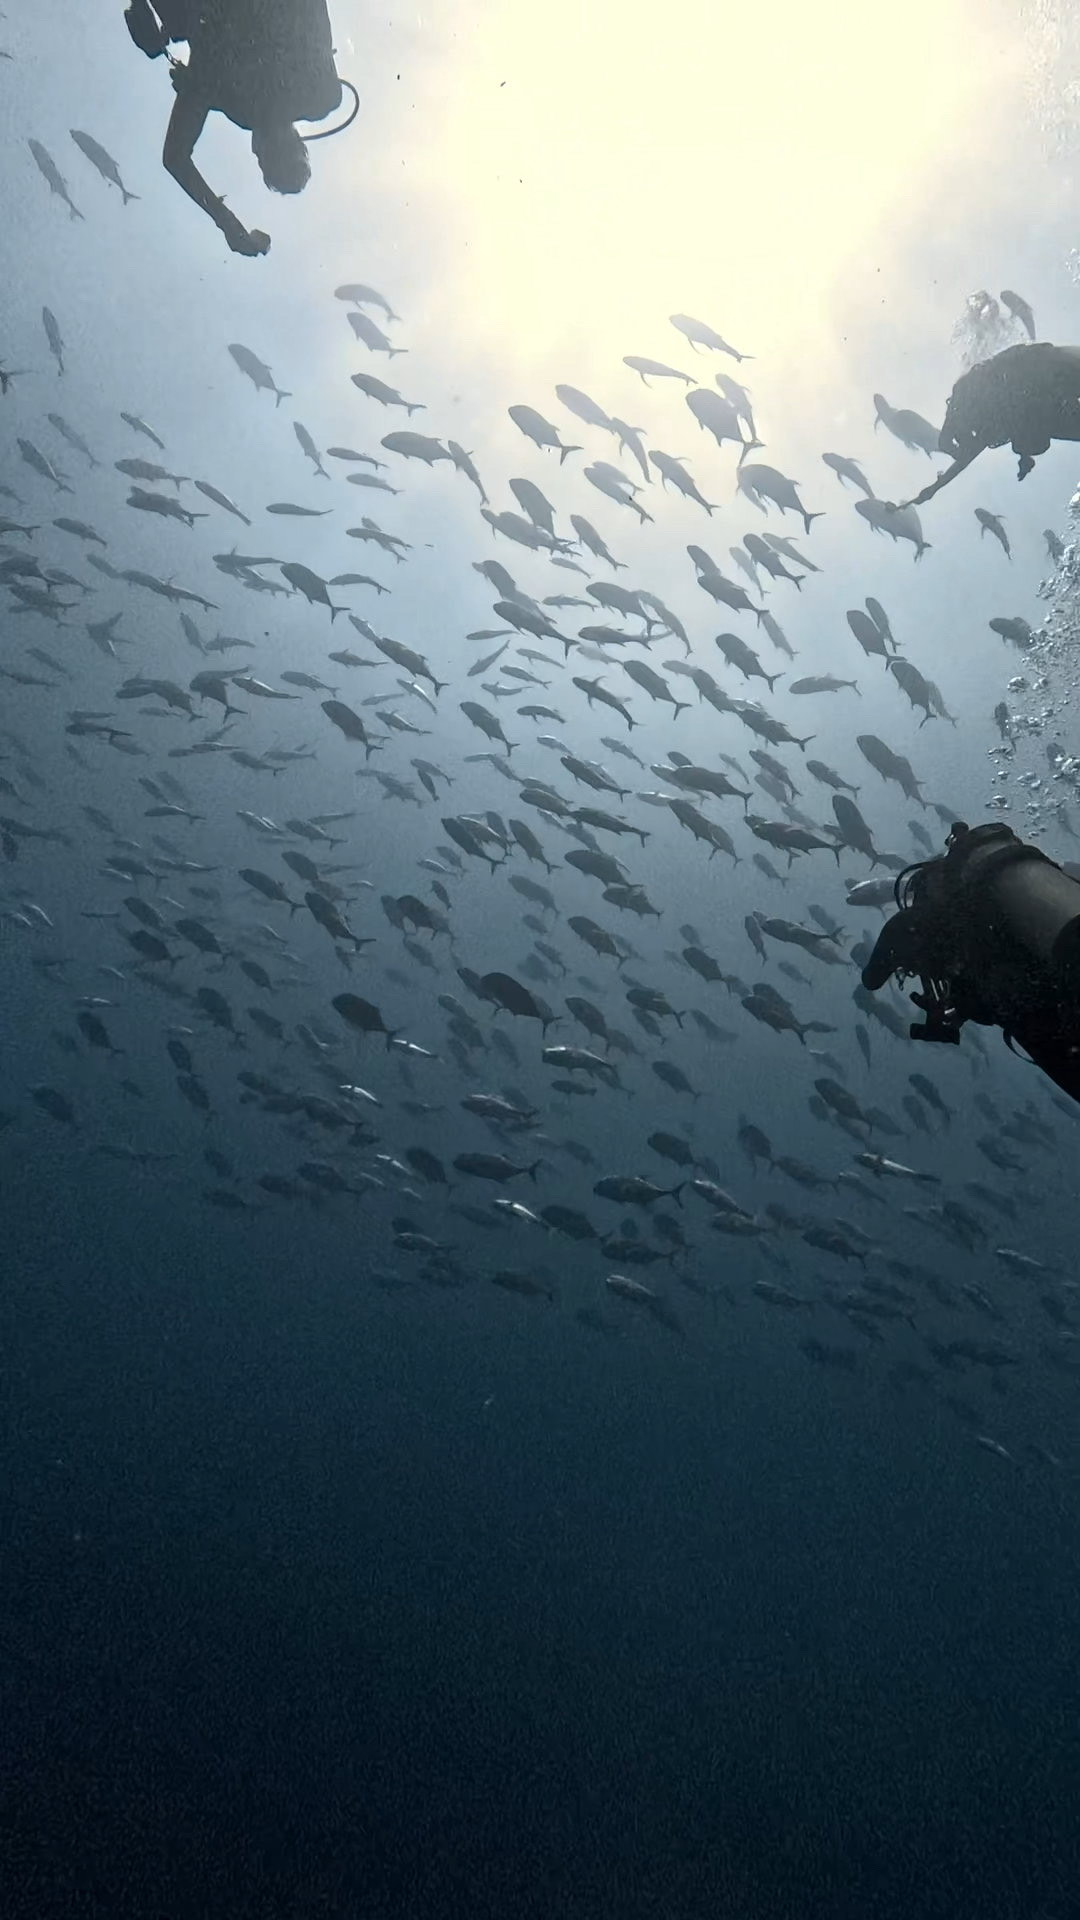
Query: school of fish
(436, 1026)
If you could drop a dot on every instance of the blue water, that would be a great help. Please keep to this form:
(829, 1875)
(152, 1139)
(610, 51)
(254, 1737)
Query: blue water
(300, 1625)
(337, 1580)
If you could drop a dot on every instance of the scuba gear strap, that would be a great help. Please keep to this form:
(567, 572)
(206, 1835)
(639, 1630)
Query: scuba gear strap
(329, 132)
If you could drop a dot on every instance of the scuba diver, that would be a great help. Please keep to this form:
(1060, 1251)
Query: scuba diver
(1024, 398)
(992, 929)
(265, 64)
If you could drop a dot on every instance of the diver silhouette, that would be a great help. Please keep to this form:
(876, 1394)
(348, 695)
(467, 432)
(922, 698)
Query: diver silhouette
(1024, 397)
(992, 929)
(264, 64)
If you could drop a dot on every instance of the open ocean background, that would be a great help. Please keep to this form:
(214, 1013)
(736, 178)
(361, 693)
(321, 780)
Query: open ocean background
(338, 1582)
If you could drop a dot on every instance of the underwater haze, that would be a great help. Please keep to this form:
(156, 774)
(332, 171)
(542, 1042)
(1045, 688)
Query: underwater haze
(525, 1392)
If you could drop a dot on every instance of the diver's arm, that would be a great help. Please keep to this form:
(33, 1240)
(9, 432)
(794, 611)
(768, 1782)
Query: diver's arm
(897, 949)
(186, 123)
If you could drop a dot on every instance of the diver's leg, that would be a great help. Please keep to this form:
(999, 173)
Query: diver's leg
(146, 29)
(154, 27)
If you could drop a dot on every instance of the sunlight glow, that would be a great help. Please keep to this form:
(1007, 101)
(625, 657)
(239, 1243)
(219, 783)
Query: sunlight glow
(601, 165)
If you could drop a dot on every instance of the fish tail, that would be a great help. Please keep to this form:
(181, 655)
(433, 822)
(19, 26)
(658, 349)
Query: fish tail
(563, 451)
(808, 517)
(129, 196)
(280, 397)
(417, 406)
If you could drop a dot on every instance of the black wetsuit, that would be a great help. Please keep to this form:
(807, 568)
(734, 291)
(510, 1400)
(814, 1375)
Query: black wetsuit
(257, 61)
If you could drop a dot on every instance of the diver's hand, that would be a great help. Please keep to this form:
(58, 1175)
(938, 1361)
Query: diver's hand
(241, 241)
